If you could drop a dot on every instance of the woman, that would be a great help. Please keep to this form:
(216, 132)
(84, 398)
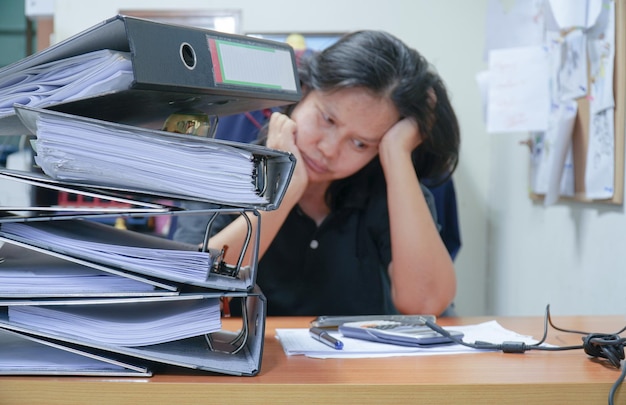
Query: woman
(354, 233)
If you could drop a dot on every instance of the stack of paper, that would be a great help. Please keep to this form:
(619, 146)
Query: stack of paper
(75, 149)
(66, 80)
(28, 273)
(122, 249)
(24, 354)
(123, 324)
(65, 279)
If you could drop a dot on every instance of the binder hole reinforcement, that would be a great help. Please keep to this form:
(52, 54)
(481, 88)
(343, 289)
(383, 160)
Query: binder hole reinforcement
(188, 55)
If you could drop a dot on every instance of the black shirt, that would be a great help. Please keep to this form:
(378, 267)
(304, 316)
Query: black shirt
(338, 268)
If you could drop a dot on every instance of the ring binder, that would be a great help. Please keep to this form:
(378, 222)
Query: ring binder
(102, 247)
(235, 353)
(187, 167)
(163, 82)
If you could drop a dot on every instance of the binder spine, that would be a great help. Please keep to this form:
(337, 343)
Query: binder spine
(202, 60)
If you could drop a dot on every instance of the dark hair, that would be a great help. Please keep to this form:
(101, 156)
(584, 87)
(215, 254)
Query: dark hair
(381, 63)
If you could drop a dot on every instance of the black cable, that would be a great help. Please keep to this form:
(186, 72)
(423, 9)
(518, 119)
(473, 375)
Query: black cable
(506, 347)
(616, 385)
(604, 345)
(608, 346)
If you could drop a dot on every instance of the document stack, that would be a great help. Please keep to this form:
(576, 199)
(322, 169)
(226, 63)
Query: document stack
(80, 297)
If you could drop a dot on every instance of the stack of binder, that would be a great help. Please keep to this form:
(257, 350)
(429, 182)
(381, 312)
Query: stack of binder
(79, 297)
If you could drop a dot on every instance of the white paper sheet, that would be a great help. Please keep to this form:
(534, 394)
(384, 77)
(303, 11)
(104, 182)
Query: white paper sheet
(66, 80)
(518, 95)
(572, 76)
(552, 172)
(600, 171)
(600, 168)
(299, 342)
(575, 13)
(602, 58)
(513, 24)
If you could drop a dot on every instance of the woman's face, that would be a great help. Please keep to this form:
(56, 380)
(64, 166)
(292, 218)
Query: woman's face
(338, 132)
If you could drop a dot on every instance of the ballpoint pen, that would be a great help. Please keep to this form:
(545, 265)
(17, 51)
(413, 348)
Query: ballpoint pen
(325, 337)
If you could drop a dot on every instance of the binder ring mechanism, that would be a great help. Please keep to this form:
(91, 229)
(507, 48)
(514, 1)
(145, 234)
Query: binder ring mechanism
(238, 342)
(220, 267)
(261, 175)
(191, 122)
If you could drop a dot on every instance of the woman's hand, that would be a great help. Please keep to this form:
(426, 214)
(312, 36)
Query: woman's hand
(403, 136)
(281, 135)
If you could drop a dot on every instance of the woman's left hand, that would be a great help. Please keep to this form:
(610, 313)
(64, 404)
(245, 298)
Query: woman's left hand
(404, 135)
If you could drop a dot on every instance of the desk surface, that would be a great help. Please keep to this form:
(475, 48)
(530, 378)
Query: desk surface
(535, 377)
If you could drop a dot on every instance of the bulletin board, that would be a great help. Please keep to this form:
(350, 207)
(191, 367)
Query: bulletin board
(580, 137)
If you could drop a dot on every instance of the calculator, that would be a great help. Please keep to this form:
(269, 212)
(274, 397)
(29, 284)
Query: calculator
(333, 321)
(397, 333)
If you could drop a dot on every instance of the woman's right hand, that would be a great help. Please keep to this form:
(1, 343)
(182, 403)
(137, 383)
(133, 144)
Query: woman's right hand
(282, 132)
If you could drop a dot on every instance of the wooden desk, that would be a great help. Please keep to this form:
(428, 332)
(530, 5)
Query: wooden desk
(534, 377)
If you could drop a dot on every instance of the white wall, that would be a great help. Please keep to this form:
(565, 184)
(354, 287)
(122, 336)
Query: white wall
(517, 256)
(570, 255)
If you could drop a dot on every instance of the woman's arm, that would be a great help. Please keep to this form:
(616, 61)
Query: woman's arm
(422, 274)
(281, 136)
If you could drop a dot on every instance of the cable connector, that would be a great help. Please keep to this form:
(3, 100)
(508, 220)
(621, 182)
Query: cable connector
(514, 347)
